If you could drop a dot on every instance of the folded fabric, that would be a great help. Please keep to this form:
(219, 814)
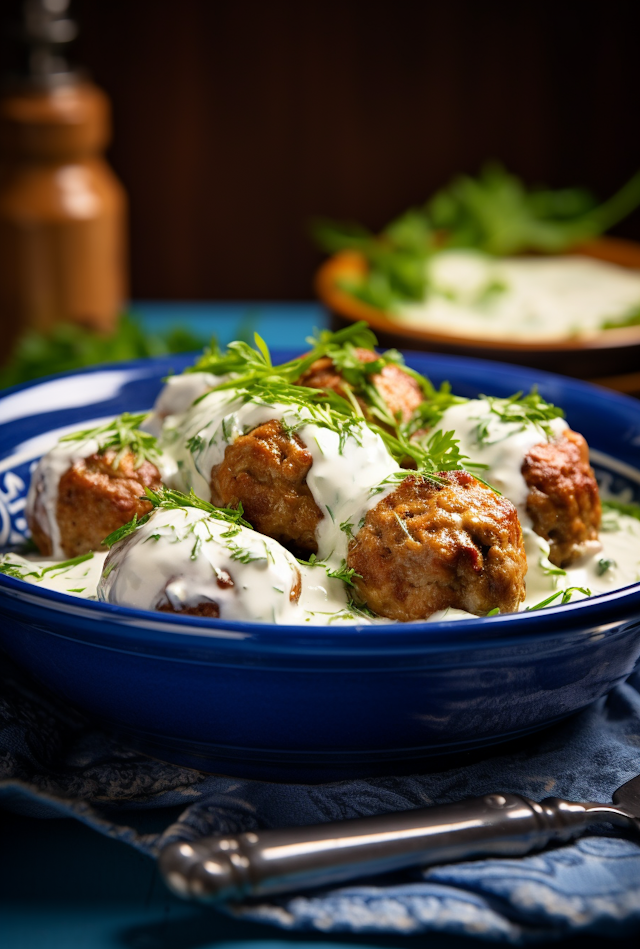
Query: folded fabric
(54, 762)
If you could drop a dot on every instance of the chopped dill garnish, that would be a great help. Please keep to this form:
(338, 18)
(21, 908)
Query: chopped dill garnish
(347, 528)
(255, 378)
(344, 573)
(15, 570)
(522, 410)
(361, 608)
(549, 569)
(121, 435)
(115, 536)
(604, 564)
(20, 571)
(169, 499)
(242, 555)
(564, 596)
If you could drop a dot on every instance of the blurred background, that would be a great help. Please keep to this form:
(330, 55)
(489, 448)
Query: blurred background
(235, 123)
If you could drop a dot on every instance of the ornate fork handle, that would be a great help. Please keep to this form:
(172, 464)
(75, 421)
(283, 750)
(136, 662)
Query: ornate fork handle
(277, 861)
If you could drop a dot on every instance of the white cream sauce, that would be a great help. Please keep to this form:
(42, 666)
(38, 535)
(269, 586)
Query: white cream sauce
(78, 577)
(502, 449)
(473, 294)
(177, 395)
(143, 567)
(186, 557)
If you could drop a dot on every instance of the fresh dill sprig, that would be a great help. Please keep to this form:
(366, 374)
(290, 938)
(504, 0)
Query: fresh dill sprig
(20, 571)
(121, 532)
(245, 362)
(121, 435)
(253, 374)
(563, 595)
(522, 410)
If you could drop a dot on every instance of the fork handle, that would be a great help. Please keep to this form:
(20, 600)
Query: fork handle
(275, 861)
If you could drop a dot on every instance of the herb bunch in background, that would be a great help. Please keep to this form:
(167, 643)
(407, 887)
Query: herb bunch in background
(494, 213)
(69, 346)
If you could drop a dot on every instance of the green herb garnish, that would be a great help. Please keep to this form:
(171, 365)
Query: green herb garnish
(604, 564)
(549, 569)
(493, 213)
(169, 499)
(436, 452)
(122, 435)
(630, 508)
(522, 410)
(20, 571)
(69, 346)
(631, 318)
(563, 595)
(344, 573)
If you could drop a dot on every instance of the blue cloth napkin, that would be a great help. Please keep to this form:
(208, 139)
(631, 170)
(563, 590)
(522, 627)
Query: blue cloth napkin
(53, 762)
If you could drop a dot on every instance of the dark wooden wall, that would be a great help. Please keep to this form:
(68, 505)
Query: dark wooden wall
(237, 120)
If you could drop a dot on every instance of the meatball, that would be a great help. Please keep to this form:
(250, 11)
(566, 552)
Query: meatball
(211, 608)
(190, 562)
(563, 501)
(266, 471)
(399, 390)
(95, 498)
(429, 546)
(208, 608)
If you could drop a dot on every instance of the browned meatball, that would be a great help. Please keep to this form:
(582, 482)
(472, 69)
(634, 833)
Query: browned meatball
(563, 501)
(266, 471)
(428, 546)
(207, 608)
(398, 389)
(94, 499)
(212, 609)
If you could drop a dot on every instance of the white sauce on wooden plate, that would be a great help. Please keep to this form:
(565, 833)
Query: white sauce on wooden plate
(522, 298)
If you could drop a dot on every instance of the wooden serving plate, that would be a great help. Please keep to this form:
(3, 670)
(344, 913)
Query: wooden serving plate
(608, 357)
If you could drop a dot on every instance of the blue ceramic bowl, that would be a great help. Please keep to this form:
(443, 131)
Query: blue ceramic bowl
(293, 703)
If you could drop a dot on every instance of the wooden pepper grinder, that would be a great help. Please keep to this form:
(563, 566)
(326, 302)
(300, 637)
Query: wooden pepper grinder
(62, 210)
